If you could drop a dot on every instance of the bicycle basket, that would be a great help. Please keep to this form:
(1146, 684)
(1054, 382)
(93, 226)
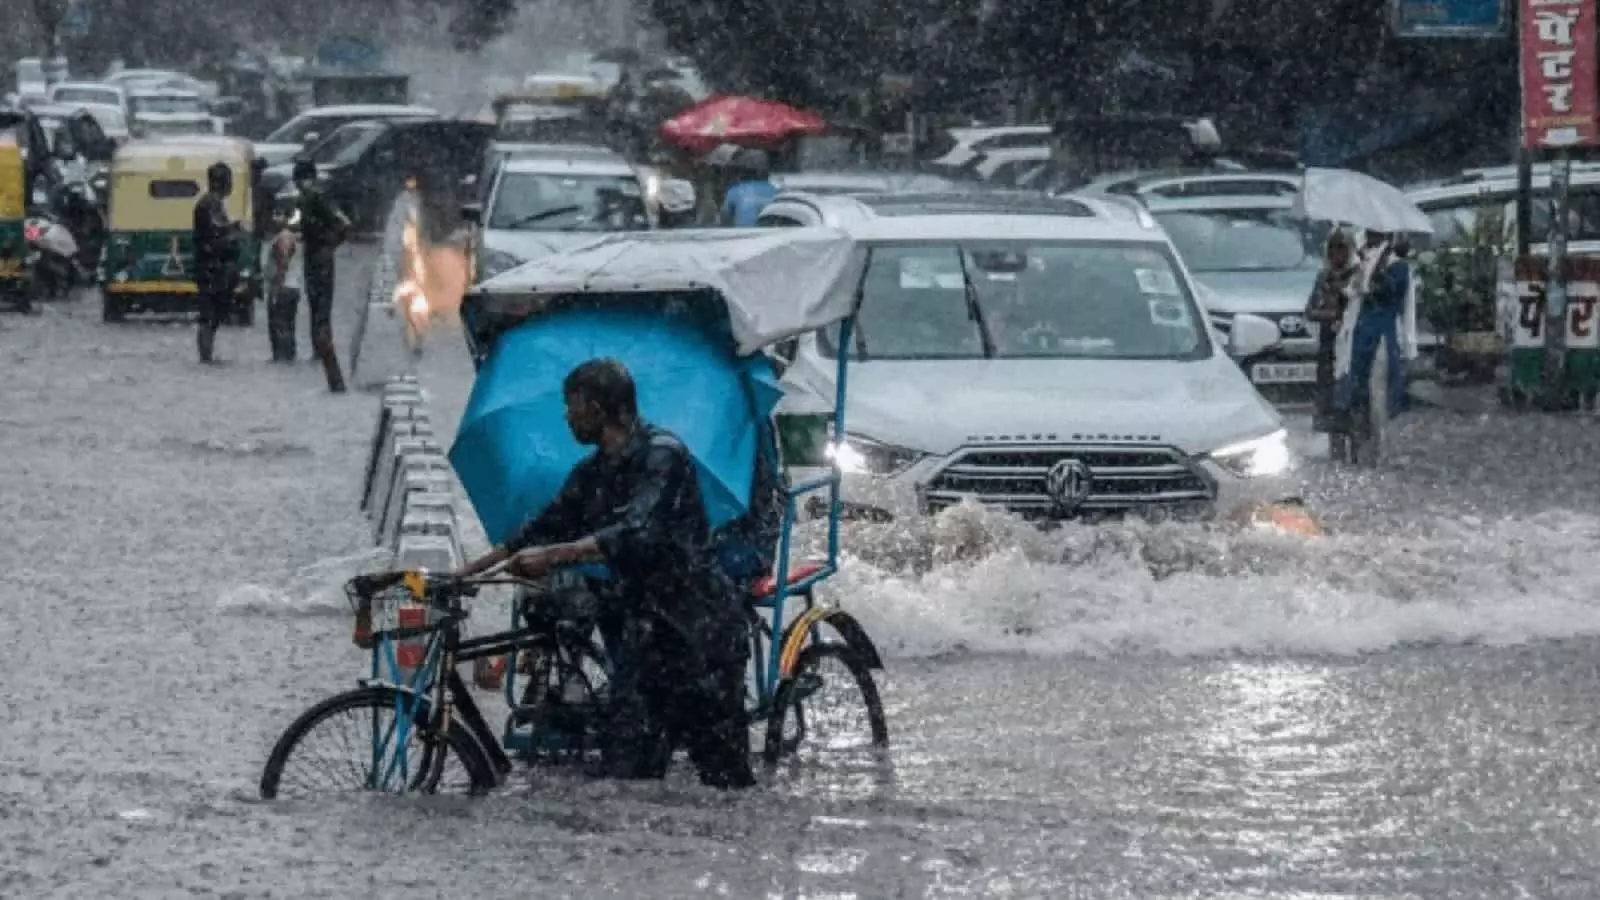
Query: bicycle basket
(385, 611)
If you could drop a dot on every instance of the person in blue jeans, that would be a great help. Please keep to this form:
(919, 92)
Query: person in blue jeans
(750, 194)
(1378, 323)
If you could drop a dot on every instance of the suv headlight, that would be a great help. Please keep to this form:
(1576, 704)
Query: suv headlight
(1256, 458)
(857, 455)
(494, 262)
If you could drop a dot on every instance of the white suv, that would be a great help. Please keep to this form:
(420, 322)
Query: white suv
(1044, 355)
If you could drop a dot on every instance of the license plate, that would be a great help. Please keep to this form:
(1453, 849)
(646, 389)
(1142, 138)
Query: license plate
(1284, 373)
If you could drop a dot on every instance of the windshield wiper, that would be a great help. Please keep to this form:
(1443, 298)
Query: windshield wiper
(541, 216)
(974, 308)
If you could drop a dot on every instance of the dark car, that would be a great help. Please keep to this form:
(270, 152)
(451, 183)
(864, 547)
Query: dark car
(365, 164)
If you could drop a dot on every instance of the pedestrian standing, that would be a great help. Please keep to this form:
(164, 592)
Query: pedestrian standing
(751, 193)
(1376, 322)
(216, 265)
(323, 227)
(1326, 308)
(284, 265)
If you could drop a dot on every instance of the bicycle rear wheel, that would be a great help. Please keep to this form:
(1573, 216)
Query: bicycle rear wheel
(831, 688)
(347, 743)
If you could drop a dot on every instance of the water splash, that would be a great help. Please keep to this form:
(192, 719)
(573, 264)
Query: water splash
(977, 581)
(314, 590)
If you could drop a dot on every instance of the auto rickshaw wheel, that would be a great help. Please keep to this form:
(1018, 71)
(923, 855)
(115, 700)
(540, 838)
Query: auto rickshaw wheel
(111, 308)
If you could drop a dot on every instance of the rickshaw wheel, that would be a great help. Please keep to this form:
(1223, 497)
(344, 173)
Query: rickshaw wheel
(795, 693)
(111, 309)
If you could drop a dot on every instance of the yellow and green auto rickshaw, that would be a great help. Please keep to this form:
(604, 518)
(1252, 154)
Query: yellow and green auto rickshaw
(148, 264)
(20, 160)
(16, 288)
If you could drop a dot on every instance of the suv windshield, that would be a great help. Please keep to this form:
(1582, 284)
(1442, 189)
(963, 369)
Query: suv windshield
(528, 201)
(1017, 300)
(1238, 241)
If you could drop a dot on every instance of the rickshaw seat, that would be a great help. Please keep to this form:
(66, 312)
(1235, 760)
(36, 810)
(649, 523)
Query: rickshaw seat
(767, 585)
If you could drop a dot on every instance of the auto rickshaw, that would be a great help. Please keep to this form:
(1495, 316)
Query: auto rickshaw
(16, 288)
(148, 264)
(20, 168)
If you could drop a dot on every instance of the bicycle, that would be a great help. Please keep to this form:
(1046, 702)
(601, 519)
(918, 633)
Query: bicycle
(411, 623)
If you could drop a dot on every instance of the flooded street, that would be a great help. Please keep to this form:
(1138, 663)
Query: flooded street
(1404, 708)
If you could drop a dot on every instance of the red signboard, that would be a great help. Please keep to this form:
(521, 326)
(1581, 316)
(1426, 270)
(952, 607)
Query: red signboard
(1559, 106)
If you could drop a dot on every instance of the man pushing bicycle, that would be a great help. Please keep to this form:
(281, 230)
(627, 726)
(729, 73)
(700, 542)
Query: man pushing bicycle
(635, 505)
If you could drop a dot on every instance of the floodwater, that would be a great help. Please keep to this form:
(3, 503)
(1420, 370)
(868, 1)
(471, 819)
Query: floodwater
(1402, 709)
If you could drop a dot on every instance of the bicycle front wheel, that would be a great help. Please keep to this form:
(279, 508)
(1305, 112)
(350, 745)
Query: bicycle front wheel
(349, 743)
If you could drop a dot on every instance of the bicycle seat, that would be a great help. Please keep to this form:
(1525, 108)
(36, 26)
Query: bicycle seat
(767, 585)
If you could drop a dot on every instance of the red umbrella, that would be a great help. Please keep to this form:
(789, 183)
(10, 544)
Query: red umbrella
(724, 119)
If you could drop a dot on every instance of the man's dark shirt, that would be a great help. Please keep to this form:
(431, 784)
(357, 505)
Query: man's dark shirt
(320, 228)
(213, 239)
(645, 509)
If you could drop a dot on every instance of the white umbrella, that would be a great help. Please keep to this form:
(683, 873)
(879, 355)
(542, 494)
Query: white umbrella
(1351, 198)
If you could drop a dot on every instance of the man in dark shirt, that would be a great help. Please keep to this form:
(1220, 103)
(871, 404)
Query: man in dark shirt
(216, 263)
(635, 505)
(322, 228)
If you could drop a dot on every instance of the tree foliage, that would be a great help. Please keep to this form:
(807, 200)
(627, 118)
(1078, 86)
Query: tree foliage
(1084, 55)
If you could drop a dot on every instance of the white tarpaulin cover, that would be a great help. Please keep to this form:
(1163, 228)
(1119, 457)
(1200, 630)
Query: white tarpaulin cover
(777, 283)
(1351, 198)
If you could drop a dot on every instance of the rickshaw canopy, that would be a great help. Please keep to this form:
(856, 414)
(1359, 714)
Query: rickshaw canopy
(156, 183)
(774, 283)
(13, 180)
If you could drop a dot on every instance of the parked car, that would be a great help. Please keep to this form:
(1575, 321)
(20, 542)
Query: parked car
(302, 132)
(1040, 355)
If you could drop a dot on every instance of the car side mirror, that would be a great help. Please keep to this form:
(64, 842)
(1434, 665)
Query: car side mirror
(472, 213)
(1252, 335)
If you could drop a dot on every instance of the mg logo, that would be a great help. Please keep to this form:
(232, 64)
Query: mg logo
(1068, 483)
(1293, 326)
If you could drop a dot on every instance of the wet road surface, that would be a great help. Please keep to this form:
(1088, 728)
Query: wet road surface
(1404, 708)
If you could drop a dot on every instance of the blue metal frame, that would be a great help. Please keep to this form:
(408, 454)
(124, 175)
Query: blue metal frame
(409, 702)
(832, 481)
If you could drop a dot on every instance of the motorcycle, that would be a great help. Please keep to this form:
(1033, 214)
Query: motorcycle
(81, 212)
(52, 255)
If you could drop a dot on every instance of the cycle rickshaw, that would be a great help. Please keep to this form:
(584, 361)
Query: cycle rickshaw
(714, 298)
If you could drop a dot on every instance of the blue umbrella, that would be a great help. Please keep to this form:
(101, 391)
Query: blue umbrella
(513, 449)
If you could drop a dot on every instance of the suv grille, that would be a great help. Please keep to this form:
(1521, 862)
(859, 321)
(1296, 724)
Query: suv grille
(1119, 479)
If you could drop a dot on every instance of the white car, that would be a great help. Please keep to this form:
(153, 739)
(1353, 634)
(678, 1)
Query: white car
(542, 201)
(89, 93)
(1455, 205)
(970, 143)
(858, 182)
(169, 112)
(1010, 167)
(304, 130)
(1044, 356)
(133, 79)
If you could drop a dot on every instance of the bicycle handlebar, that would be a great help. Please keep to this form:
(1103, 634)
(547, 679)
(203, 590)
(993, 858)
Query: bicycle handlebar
(437, 586)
